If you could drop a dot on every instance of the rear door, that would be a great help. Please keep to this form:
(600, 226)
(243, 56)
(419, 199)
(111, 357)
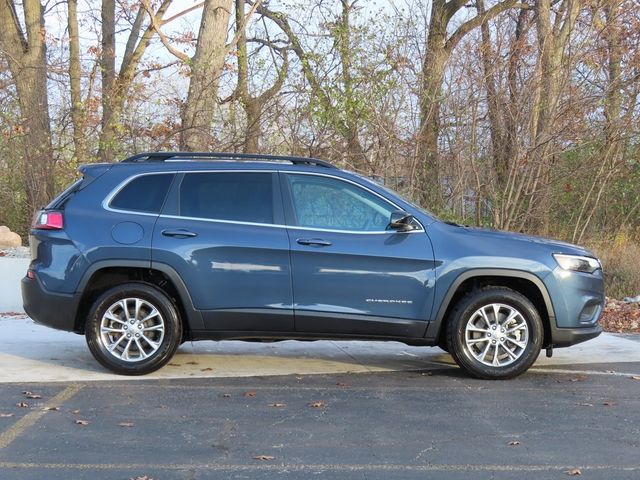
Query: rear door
(222, 232)
(351, 275)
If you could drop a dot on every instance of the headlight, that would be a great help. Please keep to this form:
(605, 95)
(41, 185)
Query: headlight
(577, 263)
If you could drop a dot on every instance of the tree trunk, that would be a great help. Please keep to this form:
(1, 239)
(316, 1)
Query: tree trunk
(26, 56)
(207, 66)
(108, 72)
(433, 66)
(75, 74)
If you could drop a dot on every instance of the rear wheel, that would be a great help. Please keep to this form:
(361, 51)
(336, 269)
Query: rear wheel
(495, 333)
(133, 329)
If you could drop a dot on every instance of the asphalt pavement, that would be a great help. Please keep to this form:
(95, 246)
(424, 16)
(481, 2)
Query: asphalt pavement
(299, 410)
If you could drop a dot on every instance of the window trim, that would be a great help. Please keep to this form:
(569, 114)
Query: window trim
(284, 190)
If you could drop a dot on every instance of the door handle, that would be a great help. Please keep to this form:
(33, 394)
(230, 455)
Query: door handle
(179, 233)
(314, 242)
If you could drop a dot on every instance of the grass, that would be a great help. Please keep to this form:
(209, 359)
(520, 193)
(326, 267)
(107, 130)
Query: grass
(621, 262)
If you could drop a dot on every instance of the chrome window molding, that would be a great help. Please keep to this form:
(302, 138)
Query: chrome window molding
(107, 201)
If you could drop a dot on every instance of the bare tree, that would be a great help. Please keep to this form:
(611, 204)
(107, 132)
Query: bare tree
(439, 47)
(25, 52)
(75, 74)
(116, 84)
(254, 105)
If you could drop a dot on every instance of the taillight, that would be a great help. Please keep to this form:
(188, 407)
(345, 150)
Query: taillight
(49, 221)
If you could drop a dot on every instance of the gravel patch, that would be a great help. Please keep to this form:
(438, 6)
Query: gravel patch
(15, 252)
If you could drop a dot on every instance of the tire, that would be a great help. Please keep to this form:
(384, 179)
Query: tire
(494, 350)
(137, 341)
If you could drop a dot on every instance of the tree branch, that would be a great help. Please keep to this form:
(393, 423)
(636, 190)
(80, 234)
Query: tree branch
(155, 25)
(478, 20)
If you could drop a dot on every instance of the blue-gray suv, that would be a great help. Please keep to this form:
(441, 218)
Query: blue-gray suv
(161, 248)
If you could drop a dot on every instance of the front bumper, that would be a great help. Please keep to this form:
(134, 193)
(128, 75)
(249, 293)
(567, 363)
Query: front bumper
(565, 337)
(55, 310)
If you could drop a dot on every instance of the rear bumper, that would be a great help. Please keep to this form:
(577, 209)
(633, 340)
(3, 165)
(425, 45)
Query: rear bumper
(55, 310)
(565, 337)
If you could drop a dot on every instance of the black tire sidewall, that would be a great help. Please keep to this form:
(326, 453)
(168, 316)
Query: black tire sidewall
(172, 327)
(470, 304)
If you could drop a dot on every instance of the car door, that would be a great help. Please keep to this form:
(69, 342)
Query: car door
(351, 274)
(223, 232)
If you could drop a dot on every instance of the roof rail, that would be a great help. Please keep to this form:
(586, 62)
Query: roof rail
(164, 156)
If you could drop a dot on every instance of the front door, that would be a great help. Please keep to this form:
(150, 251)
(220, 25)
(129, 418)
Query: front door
(351, 274)
(223, 234)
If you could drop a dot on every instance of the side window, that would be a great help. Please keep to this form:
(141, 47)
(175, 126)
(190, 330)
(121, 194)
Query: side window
(241, 197)
(143, 194)
(324, 202)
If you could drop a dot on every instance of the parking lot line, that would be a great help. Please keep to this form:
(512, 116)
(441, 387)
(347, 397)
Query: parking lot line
(289, 467)
(583, 372)
(32, 417)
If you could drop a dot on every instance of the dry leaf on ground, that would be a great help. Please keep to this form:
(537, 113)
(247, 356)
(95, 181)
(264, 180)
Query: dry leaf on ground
(278, 405)
(573, 472)
(609, 403)
(52, 409)
(514, 443)
(249, 394)
(319, 404)
(22, 405)
(84, 423)
(125, 424)
(263, 457)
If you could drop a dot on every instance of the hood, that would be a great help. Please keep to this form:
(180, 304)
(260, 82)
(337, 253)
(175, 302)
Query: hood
(557, 246)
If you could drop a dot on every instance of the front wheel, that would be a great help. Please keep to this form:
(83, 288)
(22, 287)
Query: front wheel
(133, 329)
(495, 333)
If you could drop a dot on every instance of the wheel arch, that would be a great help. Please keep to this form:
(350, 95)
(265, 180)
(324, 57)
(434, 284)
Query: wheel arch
(103, 275)
(523, 282)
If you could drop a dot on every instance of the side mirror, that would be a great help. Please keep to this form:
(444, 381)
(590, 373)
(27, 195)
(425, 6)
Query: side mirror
(401, 221)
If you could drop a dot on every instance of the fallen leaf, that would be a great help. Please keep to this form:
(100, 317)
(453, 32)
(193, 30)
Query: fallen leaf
(585, 404)
(191, 363)
(609, 403)
(514, 443)
(263, 457)
(249, 394)
(6, 415)
(125, 424)
(75, 412)
(278, 405)
(578, 379)
(226, 395)
(319, 404)
(342, 385)
(144, 477)
(175, 364)
(573, 472)
(22, 405)
(52, 409)
(84, 423)
(33, 396)
(208, 369)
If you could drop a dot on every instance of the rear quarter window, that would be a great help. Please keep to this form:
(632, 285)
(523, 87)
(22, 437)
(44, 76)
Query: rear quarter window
(143, 194)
